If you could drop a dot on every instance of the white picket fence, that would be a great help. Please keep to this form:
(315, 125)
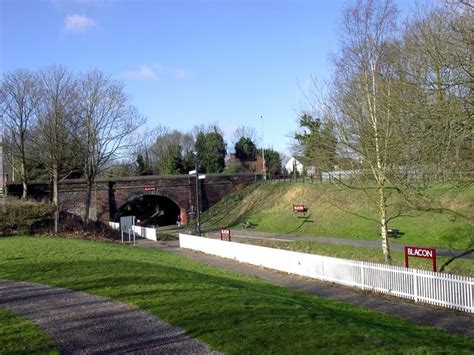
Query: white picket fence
(440, 289)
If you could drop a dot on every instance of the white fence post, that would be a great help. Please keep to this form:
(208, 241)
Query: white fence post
(471, 294)
(415, 285)
(362, 279)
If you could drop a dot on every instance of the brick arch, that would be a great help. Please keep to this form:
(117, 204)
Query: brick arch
(133, 195)
(139, 193)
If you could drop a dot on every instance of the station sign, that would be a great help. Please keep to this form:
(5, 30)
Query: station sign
(225, 233)
(299, 209)
(420, 252)
(150, 189)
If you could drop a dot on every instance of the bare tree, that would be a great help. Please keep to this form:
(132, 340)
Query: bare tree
(19, 99)
(401, 104)
(171, 151)
(437, 71)
(57, 118)
(107, 121)
(361, 107)
(244, 132)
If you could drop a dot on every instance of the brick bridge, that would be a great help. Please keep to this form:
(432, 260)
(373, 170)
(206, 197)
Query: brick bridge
(109, 195)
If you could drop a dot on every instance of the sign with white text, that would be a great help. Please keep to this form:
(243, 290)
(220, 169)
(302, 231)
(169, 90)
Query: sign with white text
(419, 252)
(299, 209)
(225, 233)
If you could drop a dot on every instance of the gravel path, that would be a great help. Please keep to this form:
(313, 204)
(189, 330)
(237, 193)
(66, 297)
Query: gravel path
(85, 324)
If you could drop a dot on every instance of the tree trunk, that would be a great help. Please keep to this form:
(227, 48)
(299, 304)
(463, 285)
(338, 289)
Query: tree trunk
(24, 180)
(88, 202)
(56, 197)
(383, 226)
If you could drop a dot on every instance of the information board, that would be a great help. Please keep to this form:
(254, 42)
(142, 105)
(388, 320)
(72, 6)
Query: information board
(126, 223)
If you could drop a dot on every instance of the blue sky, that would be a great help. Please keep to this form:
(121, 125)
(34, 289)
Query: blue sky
(185, 63)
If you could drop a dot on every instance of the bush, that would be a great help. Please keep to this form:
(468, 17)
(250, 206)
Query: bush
(25, 216)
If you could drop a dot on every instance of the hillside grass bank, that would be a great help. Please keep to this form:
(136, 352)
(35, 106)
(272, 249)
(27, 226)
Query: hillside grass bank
(343, 213)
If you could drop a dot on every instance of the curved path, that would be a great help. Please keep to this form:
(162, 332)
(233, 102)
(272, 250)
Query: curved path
(81, 323)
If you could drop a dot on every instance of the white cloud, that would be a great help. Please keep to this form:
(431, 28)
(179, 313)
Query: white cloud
(78, 23)
(178, 74)
(145, 72)
(154, 71)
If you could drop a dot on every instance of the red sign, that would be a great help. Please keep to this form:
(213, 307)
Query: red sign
(418, 252)
(298, 208)
(225, 233)
(150, 189)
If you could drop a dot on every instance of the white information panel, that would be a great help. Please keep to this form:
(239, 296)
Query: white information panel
(126, 225)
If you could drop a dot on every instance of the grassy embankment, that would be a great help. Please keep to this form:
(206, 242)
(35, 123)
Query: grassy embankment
(233, 313)
(335, 213)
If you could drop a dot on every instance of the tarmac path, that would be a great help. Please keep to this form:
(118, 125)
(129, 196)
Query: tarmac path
(86, 324)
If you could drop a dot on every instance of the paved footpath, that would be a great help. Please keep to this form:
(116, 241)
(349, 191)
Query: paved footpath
(446, 319)
(85, 324)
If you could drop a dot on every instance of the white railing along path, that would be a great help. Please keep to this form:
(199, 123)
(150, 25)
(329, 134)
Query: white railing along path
(436, 288)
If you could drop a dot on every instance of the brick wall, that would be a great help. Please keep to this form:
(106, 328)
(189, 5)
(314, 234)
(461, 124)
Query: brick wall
(109, 195)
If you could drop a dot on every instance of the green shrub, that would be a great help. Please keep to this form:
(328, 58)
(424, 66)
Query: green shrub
(25, 216)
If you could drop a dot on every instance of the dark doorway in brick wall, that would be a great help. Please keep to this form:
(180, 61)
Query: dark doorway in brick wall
(151, 210)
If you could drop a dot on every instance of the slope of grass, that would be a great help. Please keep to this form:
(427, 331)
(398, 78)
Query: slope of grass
(459, 267)
(337, 213)
(20, 336)
(233, 313)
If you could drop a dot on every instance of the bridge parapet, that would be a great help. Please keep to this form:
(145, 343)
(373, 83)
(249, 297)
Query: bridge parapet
(109, 194)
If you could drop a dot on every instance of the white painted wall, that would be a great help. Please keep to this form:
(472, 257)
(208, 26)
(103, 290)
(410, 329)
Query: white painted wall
(148, 233)
(446, 290)
(114, 225)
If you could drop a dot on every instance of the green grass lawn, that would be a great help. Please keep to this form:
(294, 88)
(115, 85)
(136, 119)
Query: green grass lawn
(233, 313)
(20, 336)
(335, 213)
(458, 267)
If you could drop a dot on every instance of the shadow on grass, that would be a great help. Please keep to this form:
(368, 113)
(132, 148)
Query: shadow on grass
(231, 312)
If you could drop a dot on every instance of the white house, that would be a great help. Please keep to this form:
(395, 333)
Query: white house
(293, 164)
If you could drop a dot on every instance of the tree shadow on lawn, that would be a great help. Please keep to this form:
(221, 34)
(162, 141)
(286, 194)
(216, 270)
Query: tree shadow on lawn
(222, 308)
